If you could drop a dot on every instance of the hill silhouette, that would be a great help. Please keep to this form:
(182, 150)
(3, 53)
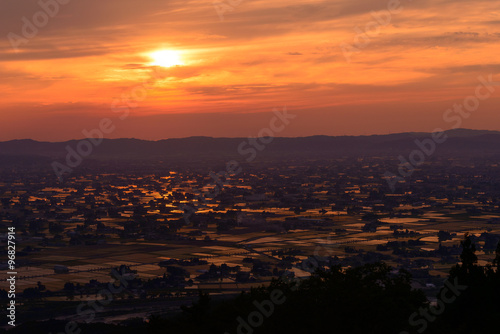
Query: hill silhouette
(459, 141)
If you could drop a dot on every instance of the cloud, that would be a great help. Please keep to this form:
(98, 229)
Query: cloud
(93, 51)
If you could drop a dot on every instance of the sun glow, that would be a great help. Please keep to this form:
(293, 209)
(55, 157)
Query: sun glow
(166, 58)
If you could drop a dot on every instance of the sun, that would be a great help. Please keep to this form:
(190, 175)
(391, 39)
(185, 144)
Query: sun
(166, 58)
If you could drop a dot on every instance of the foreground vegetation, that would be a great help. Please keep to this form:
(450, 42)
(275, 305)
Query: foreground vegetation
(369, 299)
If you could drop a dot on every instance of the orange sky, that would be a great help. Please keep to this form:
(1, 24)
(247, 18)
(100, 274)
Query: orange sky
(263, 55)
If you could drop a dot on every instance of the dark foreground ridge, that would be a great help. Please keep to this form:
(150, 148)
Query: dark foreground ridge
(368, 299)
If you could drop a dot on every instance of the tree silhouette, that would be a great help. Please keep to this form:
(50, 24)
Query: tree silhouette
(476, 309)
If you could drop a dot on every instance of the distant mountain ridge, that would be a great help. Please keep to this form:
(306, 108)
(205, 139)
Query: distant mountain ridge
(458, 141)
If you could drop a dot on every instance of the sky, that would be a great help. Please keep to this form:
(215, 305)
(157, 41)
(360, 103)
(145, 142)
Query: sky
(178, 68)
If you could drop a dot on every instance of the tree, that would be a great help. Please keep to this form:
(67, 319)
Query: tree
(496, 261)
(468, 256)
(476, 308)
(443, 236)
(198, 311)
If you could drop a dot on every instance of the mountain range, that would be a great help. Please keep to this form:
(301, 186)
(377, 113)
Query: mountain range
(458, 141)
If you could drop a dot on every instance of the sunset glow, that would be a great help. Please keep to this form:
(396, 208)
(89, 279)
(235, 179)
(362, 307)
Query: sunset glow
(166, 58)
(344, 67)
(250, 166)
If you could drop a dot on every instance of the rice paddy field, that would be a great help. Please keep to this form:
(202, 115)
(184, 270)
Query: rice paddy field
(94, 262)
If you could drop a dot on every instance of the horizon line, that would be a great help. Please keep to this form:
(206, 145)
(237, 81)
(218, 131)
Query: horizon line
(222, 137)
